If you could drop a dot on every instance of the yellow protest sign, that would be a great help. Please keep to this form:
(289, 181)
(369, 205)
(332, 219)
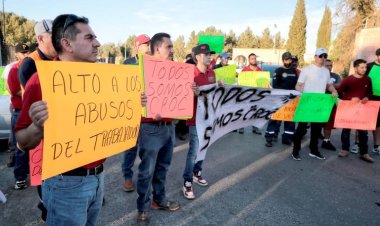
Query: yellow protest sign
(254, 79)
(94, 112)
(286, 112)
(226, 73)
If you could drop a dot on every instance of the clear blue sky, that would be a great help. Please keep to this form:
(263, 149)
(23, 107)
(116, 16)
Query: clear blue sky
(115, 20)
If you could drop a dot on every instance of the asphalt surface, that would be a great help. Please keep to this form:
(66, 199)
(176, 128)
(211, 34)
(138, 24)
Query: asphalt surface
(249, 184)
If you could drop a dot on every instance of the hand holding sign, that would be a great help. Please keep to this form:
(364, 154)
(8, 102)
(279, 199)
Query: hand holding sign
(168, 88)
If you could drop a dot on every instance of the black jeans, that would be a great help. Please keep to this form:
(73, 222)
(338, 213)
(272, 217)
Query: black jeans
(314, 133)
(363, 140)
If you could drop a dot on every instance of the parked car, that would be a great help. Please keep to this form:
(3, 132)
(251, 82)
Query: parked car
(271, 68)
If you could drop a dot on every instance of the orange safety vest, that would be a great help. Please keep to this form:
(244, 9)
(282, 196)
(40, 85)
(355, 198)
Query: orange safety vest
(35, 56)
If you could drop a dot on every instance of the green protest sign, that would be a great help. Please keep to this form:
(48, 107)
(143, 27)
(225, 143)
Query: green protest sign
(226, 73)
(374, 74)
(314, 107)
(3, 89)
(216, 43)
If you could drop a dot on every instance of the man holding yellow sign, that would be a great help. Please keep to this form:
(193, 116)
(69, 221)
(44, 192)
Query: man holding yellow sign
(74, 196)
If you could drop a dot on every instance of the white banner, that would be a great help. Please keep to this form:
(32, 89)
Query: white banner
(222, 109)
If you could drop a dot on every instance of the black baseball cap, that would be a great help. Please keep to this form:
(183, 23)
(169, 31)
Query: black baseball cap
(21, 48)
(203, 48)
(286, 56)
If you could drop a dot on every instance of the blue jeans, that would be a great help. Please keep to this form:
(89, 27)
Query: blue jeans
(363, 140)
(191, 166)
(156, 143)
(73, 200)
(129, 160)
(273, 129)
(21, 169)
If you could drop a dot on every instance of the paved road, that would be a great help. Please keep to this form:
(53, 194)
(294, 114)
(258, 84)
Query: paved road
(250, 184)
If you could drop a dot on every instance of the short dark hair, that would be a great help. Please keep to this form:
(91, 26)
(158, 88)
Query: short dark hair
(63, 27)
(358, 62)
(157, 40)
(252, 54)
(378, 52)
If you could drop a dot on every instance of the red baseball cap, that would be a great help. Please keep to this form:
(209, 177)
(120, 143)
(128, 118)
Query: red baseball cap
(142, 39)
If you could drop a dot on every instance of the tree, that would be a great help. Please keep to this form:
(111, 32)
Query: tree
(109, 52)
(193, 41)
(324, 31)
(356, 15)
(266, 41)
(179, 49)
(230, 42)
(279, 42)
(296, 43)
(18, 30)
(247, 39)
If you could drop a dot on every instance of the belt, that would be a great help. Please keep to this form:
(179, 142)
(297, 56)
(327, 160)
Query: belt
(161, 123)
(85, 172)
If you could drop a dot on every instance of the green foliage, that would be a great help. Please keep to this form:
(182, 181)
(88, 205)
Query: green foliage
(324, 31)
(279, 42)
(179, 49)
(230, 42)
(266, 40)
(296, 43)
(247, 39)
(193, 41)
(18, 29)
(356, 14)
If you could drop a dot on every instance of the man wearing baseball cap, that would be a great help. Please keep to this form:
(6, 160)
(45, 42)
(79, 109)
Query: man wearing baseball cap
(223, 60)
(44, 51)
(142, 46)
(142, 43)
(285, 77)
(21, 158)
(314, 78)
(202, 76)
(373, 70)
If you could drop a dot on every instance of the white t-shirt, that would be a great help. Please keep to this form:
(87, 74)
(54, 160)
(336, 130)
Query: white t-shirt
(7, 70)
(315, 79)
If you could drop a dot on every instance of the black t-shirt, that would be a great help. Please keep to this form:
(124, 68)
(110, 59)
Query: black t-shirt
(28, 68)
(285, 78)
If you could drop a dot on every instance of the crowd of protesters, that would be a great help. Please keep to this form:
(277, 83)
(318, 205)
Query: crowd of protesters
(75, 197)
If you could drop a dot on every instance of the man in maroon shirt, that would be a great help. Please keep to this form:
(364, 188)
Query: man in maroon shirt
(356, 87)
(74, 197)
(251, 67)
(21, 159)
(156, 143)
(202, 76)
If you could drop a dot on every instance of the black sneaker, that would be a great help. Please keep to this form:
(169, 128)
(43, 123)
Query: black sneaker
(317, 155)
(286, 142)
(328, 145)
(20, 184)
(269, 144)
(296, 157)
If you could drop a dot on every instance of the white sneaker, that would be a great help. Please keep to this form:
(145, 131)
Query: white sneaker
(376, 150)
(355, 149)
(188, 190)
(197, 178)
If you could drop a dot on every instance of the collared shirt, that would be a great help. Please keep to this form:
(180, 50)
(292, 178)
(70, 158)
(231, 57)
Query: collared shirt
(200, 79)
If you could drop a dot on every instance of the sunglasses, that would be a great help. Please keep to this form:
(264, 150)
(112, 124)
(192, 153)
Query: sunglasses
(323, 56)
(72, 19)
